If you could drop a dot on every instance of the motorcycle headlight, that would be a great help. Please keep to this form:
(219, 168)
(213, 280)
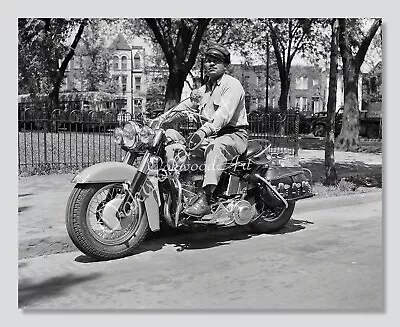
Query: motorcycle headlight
(146, 134)
(118, 133)
(131, 134)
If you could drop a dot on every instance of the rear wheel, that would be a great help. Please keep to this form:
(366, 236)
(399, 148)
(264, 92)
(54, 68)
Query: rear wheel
(272, 219)
(93, 226)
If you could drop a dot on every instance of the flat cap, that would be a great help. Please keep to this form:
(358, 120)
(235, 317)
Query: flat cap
(220, 52)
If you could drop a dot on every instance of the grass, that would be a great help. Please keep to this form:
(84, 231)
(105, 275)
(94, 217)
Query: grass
(353, 177)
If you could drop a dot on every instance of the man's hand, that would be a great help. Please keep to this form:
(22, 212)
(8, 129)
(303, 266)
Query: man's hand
(196, 139)
(195, 97)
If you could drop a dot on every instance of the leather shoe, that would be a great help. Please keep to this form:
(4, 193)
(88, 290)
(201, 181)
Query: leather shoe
(199, 208)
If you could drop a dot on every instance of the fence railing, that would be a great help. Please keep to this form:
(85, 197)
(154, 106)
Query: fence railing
(73, 140)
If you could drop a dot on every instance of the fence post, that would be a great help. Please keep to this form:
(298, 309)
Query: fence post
(45, 126)
(296, 133)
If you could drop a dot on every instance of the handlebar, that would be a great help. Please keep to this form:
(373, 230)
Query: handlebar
(173, 111)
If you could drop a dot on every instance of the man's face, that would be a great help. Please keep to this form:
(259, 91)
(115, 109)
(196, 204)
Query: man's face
(214, 67)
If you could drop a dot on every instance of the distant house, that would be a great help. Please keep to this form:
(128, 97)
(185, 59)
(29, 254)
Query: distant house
(372, 91)
(309, 86)
(126, 68)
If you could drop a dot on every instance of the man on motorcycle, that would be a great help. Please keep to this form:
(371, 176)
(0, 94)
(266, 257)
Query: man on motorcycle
(225, 136)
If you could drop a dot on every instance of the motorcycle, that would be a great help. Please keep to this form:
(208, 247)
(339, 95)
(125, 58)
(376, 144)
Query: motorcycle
(114, 205)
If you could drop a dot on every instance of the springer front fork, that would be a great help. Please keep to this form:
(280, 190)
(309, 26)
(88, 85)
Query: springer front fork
(136, 184)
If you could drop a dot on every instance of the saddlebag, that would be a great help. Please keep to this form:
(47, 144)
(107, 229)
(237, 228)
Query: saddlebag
(290, 182)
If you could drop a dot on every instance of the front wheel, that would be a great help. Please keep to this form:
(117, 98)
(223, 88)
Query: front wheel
(93, 226)
(272, 219)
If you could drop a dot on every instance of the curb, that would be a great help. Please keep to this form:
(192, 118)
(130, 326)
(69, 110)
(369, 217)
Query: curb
(30, 248)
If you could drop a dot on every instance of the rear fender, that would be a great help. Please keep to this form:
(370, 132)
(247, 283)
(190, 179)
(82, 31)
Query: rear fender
(119, 172)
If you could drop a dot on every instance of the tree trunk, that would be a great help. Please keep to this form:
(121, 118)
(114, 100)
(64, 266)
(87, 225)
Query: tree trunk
(175, 84)
(180, 60)
(330, 169)
(54, 102)
(283, 99)
(348, 138)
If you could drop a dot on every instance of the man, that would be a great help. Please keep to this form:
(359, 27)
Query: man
(222, 101)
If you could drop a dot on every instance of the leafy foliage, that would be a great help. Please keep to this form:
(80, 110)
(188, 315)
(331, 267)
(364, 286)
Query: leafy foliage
(41, 43)
(95, 57)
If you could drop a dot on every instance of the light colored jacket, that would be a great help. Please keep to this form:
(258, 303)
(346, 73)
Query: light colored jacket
(223, 103)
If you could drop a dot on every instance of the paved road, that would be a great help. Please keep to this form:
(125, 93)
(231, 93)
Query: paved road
(325, 259)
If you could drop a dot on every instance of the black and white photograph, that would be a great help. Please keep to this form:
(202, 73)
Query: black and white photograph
(213, 164)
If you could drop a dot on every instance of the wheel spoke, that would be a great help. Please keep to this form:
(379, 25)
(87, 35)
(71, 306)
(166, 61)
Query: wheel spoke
(95, 212)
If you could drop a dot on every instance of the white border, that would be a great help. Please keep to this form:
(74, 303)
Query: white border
(204, 8)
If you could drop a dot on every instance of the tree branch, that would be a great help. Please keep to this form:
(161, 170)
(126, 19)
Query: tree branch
(277, 37)
(152, 23)
(201, 27)
(71, 52)
(362, 51)
(345, 52)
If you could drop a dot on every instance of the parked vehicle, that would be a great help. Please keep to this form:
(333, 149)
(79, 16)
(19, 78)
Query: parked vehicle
(115, 204)
(370, 125)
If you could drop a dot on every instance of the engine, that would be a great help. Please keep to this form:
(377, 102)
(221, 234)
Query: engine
(238, 212)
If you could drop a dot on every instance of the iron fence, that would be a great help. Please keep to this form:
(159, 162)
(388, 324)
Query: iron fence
(67, 140)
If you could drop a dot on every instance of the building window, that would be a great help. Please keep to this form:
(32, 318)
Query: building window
(136, 61)
(116, 81)
(301, 83)
(124, 63)
(258, 80)
(301, 103)
(315, 104)
(138, 103)
(116, 62)
(137, 83)
(124, 81)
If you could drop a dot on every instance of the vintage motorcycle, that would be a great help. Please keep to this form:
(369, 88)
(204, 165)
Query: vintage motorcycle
(114, 204)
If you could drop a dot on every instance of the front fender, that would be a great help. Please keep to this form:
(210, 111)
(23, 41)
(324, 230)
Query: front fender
(106, 172)
(119, 172)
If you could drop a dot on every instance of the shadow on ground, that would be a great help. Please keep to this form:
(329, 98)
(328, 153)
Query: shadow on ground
(29, 292)
(205, 239)
(357, 172)
(23, 208)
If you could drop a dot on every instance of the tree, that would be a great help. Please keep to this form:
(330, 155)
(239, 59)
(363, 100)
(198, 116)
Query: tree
(41, 43)
(289, 37)
(330, 169)
(180, 40)
(95, 57)
(348, 138)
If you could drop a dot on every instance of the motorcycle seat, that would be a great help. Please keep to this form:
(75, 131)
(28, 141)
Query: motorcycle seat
(253, 148)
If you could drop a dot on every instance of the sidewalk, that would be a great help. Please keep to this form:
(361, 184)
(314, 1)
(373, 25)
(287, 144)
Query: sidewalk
(42, 201)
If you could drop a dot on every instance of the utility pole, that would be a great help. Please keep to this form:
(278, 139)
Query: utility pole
(131, 73)
(267, 76)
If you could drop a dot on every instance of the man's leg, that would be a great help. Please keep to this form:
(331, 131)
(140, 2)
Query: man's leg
(217, 153)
